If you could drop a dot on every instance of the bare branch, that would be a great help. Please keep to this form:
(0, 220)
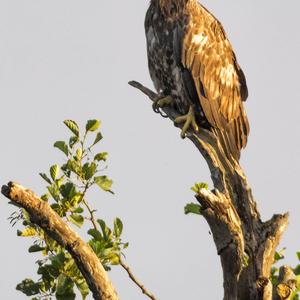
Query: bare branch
(287, 284)
(91, 212)
(136, 281)
(264, 287)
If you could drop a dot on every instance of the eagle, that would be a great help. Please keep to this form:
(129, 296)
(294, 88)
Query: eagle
(193, 67)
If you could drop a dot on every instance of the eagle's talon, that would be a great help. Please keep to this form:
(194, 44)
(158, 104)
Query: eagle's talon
(188, 120)
(160, 102)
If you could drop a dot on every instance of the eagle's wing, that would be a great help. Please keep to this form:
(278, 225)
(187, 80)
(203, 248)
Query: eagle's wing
(220, 83)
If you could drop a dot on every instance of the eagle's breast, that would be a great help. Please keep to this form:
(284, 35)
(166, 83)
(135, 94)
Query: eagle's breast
(164, 68)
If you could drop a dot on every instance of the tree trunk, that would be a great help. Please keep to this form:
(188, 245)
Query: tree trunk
(245, 243)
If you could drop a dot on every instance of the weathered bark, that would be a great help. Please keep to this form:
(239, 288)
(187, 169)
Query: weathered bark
(244, 242)
(287, 284)
(44, 216)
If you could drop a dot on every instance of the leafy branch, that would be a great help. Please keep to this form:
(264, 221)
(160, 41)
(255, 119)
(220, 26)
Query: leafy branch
(67, 188)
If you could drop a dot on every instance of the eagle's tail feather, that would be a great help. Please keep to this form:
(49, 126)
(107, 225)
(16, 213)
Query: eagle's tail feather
(234, 137)
(227, 143)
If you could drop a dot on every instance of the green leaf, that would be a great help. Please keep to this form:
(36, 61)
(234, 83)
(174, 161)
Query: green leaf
(298, 255)
(64, 289)
(60, 181)
(54, 192)
(58, 209)
(89, 170)
(48, 272)
(58, 260)
(28, 287)
(96, 246)
(71, 270)
(297, 270)
(76, 219)
(279, 255)
(27, 232)
(79, 153)
(105, 230)
(76, 199)
(73, 141)
(45, 197)
(35, 248)
(118, 227)
(113, 258)
(26, 215)
(298, 282)
(82, 287)
(68, 190)
(72, 125)
(296, 297)
(54, 171)
(95, 234)
(92, 125)
(74, 167)
(45, 177)
(192, 208)
(104, 183)
(98, 138)
(101, 156)
(61, 145)
(78, 210)
(274, 271)
(198, 186)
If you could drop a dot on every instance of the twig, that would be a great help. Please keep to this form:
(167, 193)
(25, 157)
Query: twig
(143, 89)
(136, 281)
(91, 212)
(124, 266)
(171, 113)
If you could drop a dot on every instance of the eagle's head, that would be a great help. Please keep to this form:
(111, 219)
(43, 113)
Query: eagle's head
(172, 7)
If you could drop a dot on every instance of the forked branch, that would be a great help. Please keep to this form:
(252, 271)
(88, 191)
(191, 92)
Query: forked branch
(245, 243)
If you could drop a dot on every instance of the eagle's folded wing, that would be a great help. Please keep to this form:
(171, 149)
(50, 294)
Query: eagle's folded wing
(218, 79)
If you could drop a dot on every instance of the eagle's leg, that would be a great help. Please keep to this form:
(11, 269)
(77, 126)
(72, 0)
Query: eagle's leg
(160, 102)
(188, 120)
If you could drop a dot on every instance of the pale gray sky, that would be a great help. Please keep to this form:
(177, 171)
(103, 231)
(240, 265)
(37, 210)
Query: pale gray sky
(72, 59)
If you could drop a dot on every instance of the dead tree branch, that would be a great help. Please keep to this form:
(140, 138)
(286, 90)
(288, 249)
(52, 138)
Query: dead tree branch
(136, 281)
(244, 242)
(287, 284)
(44, 216)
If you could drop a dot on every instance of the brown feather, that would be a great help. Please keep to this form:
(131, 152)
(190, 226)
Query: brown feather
(208, 54)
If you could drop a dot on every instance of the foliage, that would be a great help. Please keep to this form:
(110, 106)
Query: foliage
(275, 273)
(193, 208)
(199, 186)
(67, 186)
